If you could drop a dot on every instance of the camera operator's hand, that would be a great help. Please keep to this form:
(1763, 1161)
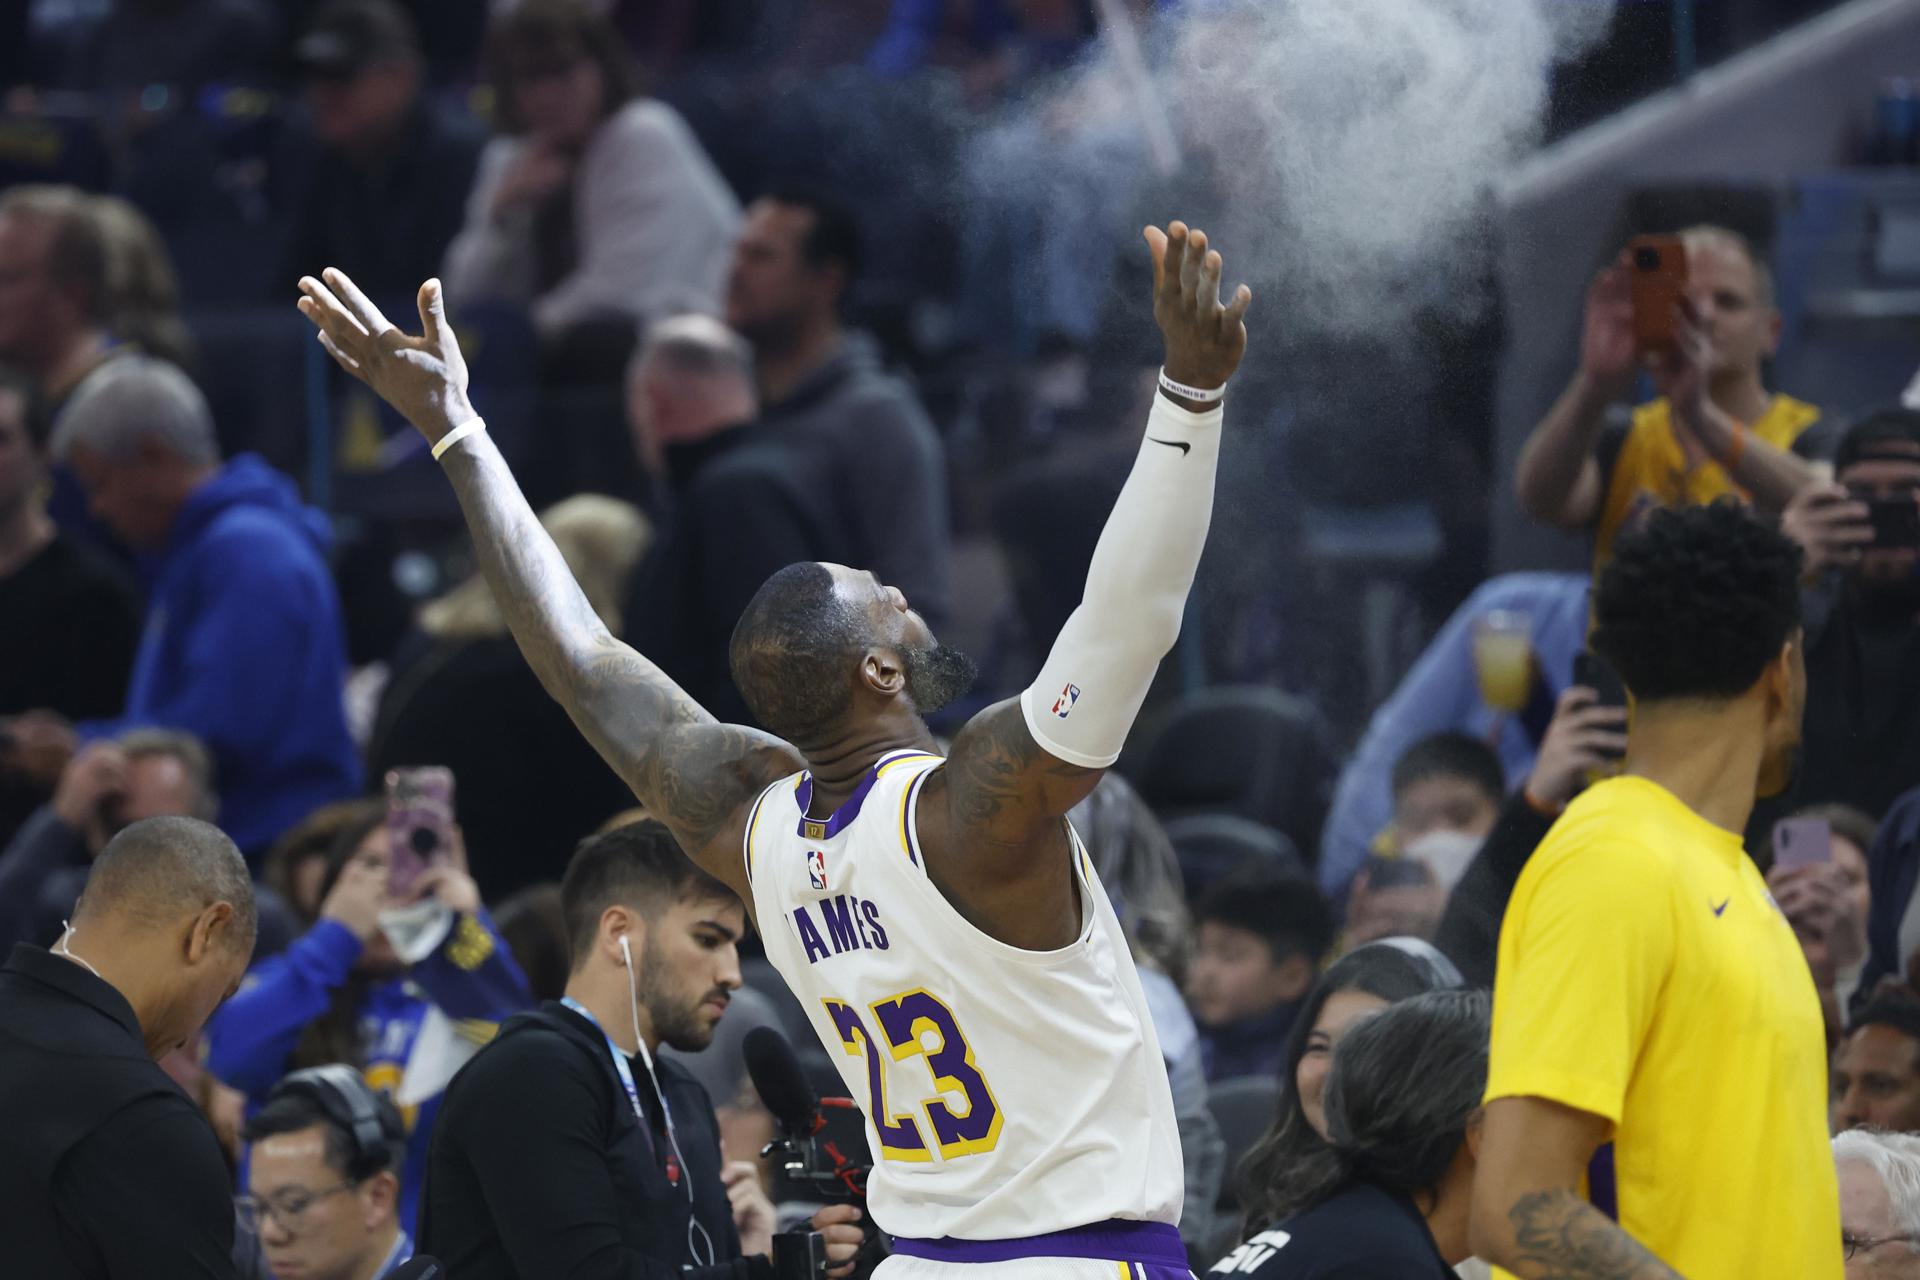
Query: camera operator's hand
(1829, 525)
(94, 777)
(753, 1214)
(1583, 736)
(839, 1227)
(358, 897)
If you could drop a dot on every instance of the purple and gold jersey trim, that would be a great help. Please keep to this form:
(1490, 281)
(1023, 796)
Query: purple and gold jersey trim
(837, 821)
(1151, 1245)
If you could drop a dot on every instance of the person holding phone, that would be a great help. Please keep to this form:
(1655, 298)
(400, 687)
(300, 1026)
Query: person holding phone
(1861, 535)
(408, 1014)
(1696, 311)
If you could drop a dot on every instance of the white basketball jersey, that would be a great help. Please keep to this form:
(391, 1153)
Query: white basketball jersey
(1008, 1093)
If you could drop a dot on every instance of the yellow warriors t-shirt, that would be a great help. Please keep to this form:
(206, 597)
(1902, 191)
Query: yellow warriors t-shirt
(1646, 976)
(1652, 469)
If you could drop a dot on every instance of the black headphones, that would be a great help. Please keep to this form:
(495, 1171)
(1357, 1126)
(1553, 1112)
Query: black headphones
(350, 1102)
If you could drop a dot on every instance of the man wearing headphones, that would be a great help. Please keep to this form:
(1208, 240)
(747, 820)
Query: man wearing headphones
(566, 1147)
(324, 1177)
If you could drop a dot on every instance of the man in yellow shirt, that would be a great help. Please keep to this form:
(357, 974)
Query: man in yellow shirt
(1657, 1089)
(1715, 430)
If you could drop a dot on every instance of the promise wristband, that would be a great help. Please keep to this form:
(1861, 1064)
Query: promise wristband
(1186, 392)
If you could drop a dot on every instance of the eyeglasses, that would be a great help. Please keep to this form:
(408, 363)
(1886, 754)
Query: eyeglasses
(1854, 1246)
(288, 1207)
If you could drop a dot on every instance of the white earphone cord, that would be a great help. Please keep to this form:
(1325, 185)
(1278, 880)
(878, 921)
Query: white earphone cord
(61, 948)
(666, 1112)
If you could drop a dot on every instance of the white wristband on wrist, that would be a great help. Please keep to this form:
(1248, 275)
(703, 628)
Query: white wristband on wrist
(1186, 392)
(470, 427)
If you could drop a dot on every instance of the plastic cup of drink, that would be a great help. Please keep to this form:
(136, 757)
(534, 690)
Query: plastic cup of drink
(1503, 659)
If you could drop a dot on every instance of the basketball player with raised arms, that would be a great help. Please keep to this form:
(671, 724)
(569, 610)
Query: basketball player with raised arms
(959, 959)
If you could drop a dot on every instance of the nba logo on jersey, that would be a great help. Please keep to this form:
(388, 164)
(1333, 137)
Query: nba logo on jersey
(1064, 703)
(817, 869)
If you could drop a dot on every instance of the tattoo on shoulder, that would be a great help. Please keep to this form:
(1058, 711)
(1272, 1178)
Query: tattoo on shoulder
(996, 766)
(1566, 1238)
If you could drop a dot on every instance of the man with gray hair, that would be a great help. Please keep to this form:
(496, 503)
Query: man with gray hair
(106, 1167)
(1879, 1204)
(739, 501)
(244, 645)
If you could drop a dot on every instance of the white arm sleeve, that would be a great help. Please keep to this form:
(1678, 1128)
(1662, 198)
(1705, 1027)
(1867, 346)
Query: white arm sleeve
(1092, 684)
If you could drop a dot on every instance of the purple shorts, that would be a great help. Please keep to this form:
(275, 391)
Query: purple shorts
(1137, 1250)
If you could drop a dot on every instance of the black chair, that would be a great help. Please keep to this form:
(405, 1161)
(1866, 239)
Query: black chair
(1210, 845)
(1239, 749)
(1244, 1108)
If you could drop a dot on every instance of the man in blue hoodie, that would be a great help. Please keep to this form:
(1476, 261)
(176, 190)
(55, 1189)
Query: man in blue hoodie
(243, 644)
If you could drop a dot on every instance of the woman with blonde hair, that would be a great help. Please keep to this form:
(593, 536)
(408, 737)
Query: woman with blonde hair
(529, 785)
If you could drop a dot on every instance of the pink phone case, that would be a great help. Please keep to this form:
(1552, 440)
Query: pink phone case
(419, 823)
(1801, 842)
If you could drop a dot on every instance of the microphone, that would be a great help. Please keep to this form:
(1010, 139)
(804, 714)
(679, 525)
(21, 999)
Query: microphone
(782, 1083)
(420, 1267)
(808, 1155)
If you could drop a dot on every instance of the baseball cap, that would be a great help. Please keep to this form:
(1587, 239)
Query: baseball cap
(349, 36)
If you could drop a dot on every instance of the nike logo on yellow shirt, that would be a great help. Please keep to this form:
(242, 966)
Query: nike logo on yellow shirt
(1722, 907)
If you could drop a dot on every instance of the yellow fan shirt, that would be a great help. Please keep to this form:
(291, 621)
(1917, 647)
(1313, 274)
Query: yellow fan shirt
(1652, 469)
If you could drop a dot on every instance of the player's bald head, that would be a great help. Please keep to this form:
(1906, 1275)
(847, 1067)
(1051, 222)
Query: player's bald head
(160, 871)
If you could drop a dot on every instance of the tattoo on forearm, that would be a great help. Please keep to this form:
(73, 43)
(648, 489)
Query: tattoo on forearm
(1559, 1236)
(689, 770)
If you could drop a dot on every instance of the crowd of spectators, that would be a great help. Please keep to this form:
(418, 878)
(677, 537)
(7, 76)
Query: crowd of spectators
(175, 627)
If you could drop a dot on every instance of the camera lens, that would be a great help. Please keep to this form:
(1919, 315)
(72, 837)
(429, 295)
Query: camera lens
(1647, 258)
(423, 840)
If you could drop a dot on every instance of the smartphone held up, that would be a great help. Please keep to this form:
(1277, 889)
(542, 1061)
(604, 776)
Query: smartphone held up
(1659, 271)
(419, 824)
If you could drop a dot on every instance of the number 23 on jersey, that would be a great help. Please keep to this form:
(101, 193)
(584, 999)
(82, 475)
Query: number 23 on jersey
(916, 1024)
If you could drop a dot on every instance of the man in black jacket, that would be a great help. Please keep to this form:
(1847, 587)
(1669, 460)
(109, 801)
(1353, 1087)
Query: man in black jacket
(566, 1148)
(823, 390)
(739, 501)
(107, 1169)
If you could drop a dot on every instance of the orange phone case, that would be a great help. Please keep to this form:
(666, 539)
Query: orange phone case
(1659, 268)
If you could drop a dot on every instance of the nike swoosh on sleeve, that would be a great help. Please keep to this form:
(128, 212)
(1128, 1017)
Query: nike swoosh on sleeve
(1181, 445)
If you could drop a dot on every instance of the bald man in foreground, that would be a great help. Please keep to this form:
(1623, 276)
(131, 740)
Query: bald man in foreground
(106, 1168)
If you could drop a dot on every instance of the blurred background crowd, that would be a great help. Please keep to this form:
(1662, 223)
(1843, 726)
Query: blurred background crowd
(744, 282)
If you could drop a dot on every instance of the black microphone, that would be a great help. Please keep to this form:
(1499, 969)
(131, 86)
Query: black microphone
(421, 1267)
(782, 1082)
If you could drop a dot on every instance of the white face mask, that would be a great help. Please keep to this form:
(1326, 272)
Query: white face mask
(1446, 853)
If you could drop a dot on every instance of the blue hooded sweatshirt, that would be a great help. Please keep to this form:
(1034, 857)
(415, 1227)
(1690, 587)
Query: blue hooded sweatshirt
(244, 647)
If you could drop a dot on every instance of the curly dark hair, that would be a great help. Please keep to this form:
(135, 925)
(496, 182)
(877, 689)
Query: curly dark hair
(1697, 602)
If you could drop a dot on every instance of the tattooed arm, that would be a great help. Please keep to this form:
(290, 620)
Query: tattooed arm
(1528, 1214)
(693, 773)
(994, 837)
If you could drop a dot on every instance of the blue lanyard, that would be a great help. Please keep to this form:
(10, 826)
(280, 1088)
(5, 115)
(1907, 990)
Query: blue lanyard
(624, 1069)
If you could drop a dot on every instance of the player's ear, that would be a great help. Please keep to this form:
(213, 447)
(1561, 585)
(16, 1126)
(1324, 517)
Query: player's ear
(882, 671)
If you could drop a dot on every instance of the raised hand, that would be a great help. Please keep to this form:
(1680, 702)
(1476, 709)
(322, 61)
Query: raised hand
(1205, 338)
(97, 774)
(1680, 372)
(753, 1213)
(424, 378)
(1607, 355)
(1829, 525)
(1583, 736)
